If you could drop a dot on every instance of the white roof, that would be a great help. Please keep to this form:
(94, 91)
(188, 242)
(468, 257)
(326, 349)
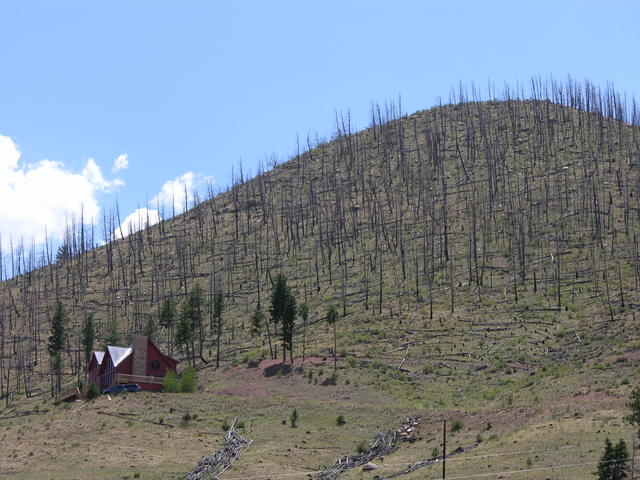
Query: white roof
(99, 356)
(118, 354)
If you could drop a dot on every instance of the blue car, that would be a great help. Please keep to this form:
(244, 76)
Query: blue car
(129, 387)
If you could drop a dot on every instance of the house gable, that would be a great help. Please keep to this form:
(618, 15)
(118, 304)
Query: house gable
(158, 363)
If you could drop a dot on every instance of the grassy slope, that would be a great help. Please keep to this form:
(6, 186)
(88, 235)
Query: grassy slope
(543, 378)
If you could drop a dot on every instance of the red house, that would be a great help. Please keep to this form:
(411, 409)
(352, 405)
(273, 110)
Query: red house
(142, 363)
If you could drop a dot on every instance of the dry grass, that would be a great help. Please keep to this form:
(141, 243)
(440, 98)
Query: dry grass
(75, 441)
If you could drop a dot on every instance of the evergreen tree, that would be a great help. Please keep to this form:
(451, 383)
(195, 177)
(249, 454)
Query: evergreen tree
(168, 319)
(613, 464)
(218, 307)
(303, 311)
(288, 323)
(58, 335)
(88, 337)
(634, 406)
(256, 321)
(112, 335)
(55, 345)
(332, 317)
(190, 320)
(149, 330)
(283, 311)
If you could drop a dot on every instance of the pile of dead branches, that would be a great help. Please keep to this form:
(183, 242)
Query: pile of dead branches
(216, 463)
(383, 444)
(431, 461)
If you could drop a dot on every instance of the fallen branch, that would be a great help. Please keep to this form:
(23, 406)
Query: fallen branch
(213, 465)
(383, 444)
(128, 417)
(431, 461)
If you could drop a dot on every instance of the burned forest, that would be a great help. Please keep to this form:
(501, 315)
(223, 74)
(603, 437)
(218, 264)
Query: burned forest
(502, 229)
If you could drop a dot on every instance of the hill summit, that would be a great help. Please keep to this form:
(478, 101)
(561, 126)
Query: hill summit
(479, 236)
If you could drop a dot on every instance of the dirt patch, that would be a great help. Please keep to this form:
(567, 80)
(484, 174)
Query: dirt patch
(297, 362)
(250, 381)
(278, 368)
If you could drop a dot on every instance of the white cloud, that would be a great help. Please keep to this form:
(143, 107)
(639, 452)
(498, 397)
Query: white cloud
(45, 194)
(172, 194)
(120, 163)
(93, 174)
(137, 221)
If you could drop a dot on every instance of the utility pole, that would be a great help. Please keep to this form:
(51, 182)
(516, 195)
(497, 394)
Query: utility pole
(444, 449)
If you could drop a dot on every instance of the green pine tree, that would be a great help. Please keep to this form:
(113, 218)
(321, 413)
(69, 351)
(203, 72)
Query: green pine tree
(283, 312)
(288, 324)
(189, 322)
(88, 337)
(256, 321)
(168, 319)
(303, 311)
(218, 307)
(55, 346)
(149, 330)
(112, 336)
(613, 464)
(634, 406)
(332, 317)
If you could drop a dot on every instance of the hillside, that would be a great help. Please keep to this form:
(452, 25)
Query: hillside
(483, 257)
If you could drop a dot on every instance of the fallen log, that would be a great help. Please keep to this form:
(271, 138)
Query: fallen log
(213, 465)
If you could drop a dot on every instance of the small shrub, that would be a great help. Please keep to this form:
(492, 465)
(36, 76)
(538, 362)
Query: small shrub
(435, 452)
(456, 425)
(187, 416)
(136, 474)
(92, 391)
(189, 380)
(362, 446)
(225, 425)
(294, 418)
(171, 383)
(340, 420)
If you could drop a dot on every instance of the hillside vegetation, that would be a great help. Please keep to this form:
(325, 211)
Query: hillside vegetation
(482, 255)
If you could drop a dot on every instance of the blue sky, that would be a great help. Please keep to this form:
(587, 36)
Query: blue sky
(188, 89)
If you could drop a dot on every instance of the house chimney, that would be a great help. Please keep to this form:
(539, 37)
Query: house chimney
(139, 355)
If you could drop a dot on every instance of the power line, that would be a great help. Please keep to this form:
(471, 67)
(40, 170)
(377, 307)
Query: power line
(477, 475)
(524, 470)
